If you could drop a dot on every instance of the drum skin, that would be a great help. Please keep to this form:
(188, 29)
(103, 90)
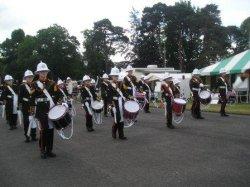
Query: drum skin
(178, 106)
(97, 106)
(205, 97)
(131, 109)
(60, 116)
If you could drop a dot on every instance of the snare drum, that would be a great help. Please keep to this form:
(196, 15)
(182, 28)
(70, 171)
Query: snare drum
(60, 116)
(205, 97)
(97, 106)
(131, 110)
(178, 106)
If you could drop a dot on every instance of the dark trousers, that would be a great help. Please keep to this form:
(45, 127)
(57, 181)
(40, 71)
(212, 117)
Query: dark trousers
(26, 126)
(169, 115)
(89, 119)
(223, 100)
(118, 124)
(118, 127)
(196, 109)
(12, 119)
(146, 108)
(46, 136)
(105, 102)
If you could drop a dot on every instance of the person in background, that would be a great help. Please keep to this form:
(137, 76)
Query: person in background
(104, 92)
(196, 85)
(10, 100)
(25, 92)
(223, 86)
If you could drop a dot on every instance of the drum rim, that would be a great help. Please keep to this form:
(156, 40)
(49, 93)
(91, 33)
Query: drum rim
(62, 115)
(129, 111)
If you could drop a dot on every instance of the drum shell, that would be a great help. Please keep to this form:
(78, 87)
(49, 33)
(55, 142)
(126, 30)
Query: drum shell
(129, 115)
(205, 101)
(178, 109)
(63, 122)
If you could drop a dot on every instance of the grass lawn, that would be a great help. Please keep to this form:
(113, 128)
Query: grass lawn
(243, 109)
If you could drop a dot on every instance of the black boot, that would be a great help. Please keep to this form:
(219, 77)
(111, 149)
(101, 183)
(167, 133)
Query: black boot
(171, 126)
(120, 131)
(43, 155)
(114, 129)
(27, 140)
(50, 154)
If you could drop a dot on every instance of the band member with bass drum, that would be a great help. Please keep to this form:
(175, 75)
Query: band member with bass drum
(10, 100)
(144, 87)
(223, 86)
(117, 99)
(129, 83)
(45, 95)
(196, 85)
(25, 92)
(88, 95)
(167, 88)
(104, 92)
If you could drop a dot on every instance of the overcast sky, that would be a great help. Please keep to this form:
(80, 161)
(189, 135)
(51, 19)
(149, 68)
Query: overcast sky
(78, 15)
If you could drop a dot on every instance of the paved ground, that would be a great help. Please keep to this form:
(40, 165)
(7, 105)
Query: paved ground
(211, 152)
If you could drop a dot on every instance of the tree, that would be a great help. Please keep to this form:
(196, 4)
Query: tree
(60, 51)
(100, 43)
(245, 30)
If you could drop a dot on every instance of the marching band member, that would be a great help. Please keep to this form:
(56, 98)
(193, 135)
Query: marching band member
(63, 90)
(223, 86)
(69, 86)
(88, 95)
(10, 99)
(196, 85)
(117, 98)
(144, 87)
(24, 102)
(129, 83)
(104, 92)
(45, 94)
(168, 96)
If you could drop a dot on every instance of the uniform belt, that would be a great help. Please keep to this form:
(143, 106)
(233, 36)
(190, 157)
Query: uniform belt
(115, 98)
(25, 99)
(9, 96)
(129, 88)
(222, 87)
(42, 100)
(195, 89)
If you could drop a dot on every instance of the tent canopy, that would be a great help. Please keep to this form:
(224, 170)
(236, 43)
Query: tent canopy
(235, 64)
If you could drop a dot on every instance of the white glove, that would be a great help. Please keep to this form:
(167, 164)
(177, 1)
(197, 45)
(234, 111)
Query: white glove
(201, 85)
(65, 104)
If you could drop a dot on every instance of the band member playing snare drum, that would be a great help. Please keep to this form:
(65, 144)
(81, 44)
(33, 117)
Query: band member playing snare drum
(88, 95)
(104, 92)
(45, 94)
(223, 86)
(168, 96)
(24, 104)
(144, 87)
(129, 83)
(116, 97)
(196, 85)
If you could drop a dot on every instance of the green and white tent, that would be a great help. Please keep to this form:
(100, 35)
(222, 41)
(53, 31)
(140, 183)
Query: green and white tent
(234, 65)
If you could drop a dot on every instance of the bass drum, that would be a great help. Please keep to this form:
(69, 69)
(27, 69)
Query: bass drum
(205, 97)
(131, 110)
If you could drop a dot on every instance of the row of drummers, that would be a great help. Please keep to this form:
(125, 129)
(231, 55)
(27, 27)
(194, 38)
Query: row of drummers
(48, 104)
